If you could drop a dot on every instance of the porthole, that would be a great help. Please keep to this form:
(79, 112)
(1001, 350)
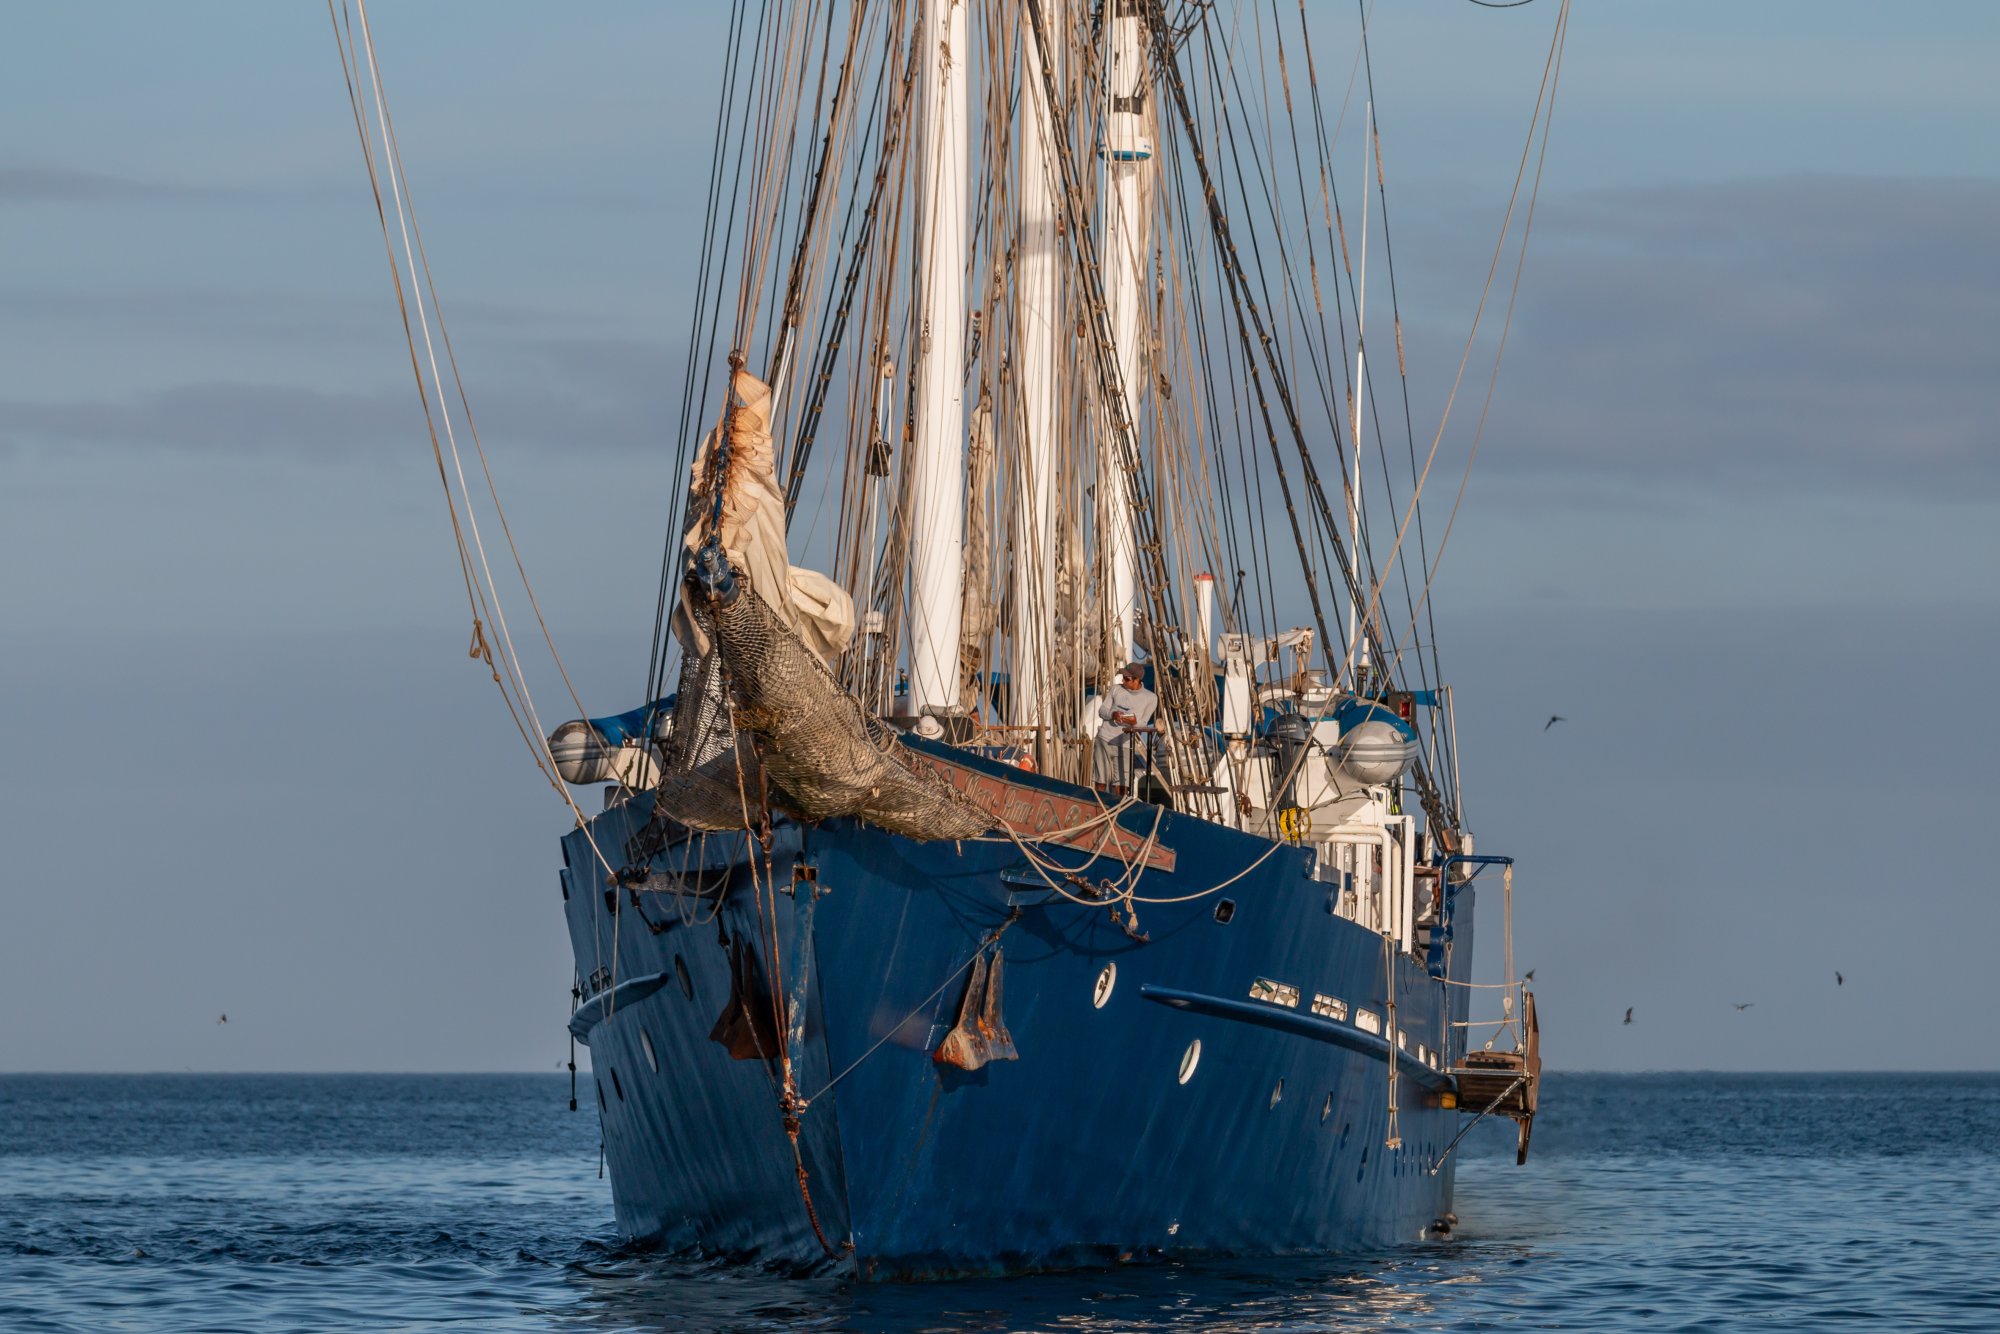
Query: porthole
(681, 971)
(600, 1097)
(616, 1087)
(1105, 981)
(1190, 1059)
(1278, 1093)
(646, 1044)
(1224, 910)
(1326, 1110)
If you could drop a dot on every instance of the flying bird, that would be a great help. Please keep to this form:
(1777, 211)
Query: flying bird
(1530, 976)
(1744, 1006)
(1838, 980)
(223, 1020)
(1554, 718)
(1628, 1014)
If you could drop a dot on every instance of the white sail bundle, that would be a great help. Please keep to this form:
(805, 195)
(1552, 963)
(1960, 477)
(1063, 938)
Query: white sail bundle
(751, 528)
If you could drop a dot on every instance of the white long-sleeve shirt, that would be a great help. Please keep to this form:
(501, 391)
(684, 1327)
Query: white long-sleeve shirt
(1141, 704)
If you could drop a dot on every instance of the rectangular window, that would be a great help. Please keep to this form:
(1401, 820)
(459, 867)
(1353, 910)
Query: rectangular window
(1329, 1007)
(1276, 993)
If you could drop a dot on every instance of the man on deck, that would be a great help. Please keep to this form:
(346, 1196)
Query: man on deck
(1124, 710)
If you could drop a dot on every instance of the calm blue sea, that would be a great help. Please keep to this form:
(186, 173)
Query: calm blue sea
(1697, 1202)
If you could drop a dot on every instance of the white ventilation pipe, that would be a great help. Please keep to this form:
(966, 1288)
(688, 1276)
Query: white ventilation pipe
(1204, 615)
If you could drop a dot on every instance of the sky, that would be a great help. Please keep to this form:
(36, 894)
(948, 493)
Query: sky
(1736, 515)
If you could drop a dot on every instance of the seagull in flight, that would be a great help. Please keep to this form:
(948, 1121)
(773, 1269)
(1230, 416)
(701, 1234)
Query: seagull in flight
(1628, 1014)
(223, 1020)
(1838, 980)
(1554, 718)
(1529, 976)
(1744, 1006)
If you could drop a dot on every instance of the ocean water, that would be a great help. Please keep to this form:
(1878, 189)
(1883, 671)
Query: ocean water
(1695, 1202)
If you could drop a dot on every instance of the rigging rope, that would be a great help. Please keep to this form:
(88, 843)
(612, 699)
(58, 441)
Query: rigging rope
(482, 593)
(1551, 77)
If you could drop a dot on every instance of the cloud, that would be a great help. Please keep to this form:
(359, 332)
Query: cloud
(219, 416)
(1814, 334)
(322, 375)
(319, 425)
(1827, 335)
(63, 185)
(259, 315)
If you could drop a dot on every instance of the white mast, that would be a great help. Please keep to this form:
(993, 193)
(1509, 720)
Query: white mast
(1038, 339)
(1128, 152)
(1357, 651)
(937, 462)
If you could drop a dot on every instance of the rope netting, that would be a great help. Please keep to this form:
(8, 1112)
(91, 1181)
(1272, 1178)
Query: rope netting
(760, 712)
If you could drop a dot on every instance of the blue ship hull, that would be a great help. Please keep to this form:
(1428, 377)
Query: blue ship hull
(1090, 1147)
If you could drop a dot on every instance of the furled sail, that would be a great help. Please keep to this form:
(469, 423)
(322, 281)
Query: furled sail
(759, 710)
(752, 528)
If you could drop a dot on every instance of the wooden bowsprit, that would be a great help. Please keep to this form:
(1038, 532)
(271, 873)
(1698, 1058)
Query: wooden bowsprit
(1035, 815)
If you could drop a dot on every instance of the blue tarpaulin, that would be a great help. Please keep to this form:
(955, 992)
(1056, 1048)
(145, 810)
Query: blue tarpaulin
(619, 728)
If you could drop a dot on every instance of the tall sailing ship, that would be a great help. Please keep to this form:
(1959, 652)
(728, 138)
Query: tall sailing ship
(1039, 333)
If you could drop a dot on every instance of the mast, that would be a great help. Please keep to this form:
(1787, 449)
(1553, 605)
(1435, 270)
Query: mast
(937, 460)
(1038, 337)
(1128, 153)
(1357, 648)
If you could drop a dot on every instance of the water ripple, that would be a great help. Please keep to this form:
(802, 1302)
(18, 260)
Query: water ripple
(1669, 1202)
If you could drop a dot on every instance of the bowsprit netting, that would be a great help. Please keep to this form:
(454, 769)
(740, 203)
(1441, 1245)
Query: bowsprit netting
(762, 705)
(710, 776)
(758, 713)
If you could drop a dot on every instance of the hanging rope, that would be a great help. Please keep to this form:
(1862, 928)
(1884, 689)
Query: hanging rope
(382, 156)
(1551, 77)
